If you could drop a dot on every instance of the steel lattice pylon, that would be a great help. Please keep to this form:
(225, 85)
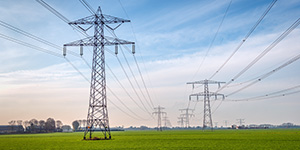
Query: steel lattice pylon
(159, 114)
(207, 119)
(97, 111)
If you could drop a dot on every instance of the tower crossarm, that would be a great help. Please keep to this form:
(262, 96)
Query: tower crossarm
(187, 115)
(89, 41)
(85, 20)
(115, 41)
(159, 113)
(205, 82)
(209, 94)
(106, 19)
(111, 19)
(187, 109)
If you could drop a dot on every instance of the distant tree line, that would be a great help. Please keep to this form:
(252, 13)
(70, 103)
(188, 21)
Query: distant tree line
(39, 126)
(79, 125)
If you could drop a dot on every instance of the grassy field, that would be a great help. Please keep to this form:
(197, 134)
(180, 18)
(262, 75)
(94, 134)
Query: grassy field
(187, 139)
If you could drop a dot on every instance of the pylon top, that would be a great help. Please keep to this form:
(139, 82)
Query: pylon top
(205, 82)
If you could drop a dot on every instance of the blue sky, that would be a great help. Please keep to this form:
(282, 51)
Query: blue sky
(173, 38)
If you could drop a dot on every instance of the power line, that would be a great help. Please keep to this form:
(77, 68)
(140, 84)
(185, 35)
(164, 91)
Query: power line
(280, 38)
(88, 7)
(76, 69)
(42, 50)
(137, 43)
(271, 95)
(133, 86)
(263, 97)
(142, 78)
(246, 37)
(124, 88)
(30, 46)
(39, 48)
(151, 107)
(138, 117)
(63, 18)
(120, 108)
(267, 74)
(213, 40)
(20, 31)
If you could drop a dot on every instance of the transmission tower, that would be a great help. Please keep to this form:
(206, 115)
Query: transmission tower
(181, 121)
(240, 121)
(97, 111)
(207, 120)
(159, 114)
(225, 123)
(167, 122)
(186, 116)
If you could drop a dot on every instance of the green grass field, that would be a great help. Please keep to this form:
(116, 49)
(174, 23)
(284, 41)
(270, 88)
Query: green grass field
(187, 139)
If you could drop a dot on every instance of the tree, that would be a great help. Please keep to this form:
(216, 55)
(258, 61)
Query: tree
(80, 123)
(34, 122)
(13, 122)
(75, 125)
(33, 125)
(59, 124)
(42, 125)
(19, 122)
(50, 125)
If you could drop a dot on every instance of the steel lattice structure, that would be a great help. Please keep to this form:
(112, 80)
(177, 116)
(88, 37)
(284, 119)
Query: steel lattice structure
(207, 119)
(186, 115)
(97, 111)
(159, 114)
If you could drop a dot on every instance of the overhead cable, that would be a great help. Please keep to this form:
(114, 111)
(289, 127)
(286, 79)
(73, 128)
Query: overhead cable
(213, 40)
(246, 37)
(269, 48)
(267, 74)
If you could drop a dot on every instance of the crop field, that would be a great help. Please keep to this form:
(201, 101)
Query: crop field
(176, 139)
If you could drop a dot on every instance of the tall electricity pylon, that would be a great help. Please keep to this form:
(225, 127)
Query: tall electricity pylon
(181, 121)
(207, 120)
(159, 114)
(97, 111)
(186, 115)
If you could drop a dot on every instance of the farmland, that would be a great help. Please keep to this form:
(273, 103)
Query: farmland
(178, 139)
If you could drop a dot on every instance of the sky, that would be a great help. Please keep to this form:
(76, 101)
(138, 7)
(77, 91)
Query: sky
(176, 42)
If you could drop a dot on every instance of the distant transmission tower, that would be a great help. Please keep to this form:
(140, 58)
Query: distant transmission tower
(97, 112)
(225, 122)
(207, 120)
(186, 116)
(159, 114)
(240, 121)
(181, 121)
(167, 122)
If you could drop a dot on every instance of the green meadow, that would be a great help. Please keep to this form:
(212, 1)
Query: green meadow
(174, 139)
